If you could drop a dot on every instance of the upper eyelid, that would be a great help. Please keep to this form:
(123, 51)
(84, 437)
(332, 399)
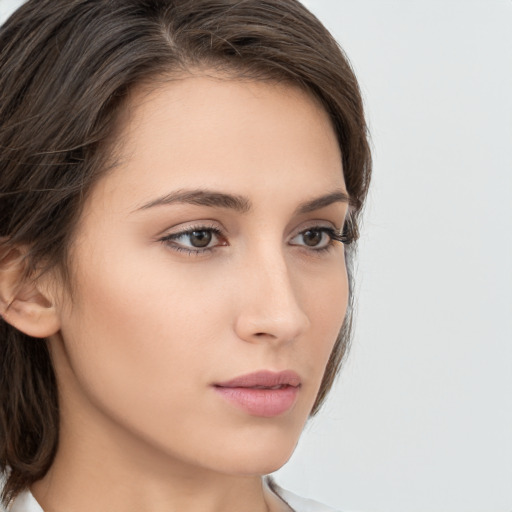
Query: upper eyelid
(217, 227)
(317, 224)
(191, 229)
(199, 226)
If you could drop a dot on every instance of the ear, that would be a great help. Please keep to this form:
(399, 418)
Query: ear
(24, 302)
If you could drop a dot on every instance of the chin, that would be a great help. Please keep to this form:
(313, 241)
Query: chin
(263, 463)
(261, 453)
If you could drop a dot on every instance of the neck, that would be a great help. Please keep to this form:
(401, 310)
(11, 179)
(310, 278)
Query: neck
(57, 494)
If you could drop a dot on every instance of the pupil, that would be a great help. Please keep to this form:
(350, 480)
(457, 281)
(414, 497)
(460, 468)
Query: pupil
(200, 238)
(312, 238)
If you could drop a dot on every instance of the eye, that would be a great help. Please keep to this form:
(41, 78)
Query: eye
(194, 240)
(317, 238)
(199, 239)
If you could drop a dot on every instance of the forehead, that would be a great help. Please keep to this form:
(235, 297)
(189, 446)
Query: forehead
(223, 133)
(205, 101)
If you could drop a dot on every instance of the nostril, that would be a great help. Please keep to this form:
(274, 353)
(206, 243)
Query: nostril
(263, 334)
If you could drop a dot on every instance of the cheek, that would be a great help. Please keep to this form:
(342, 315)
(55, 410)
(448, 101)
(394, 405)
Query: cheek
(137, 336)
(326, 303)
(327, 299)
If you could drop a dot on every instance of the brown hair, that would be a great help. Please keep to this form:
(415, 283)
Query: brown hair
(66, 67)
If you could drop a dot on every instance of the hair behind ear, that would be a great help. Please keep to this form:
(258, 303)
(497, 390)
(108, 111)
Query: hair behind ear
(29, 417)
(28, 392)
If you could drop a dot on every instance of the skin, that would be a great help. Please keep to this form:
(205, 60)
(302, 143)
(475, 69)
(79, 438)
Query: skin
(152, 326)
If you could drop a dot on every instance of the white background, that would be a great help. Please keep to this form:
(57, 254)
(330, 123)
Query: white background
(421, 419)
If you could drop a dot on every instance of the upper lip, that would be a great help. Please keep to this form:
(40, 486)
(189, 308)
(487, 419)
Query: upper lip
(263, 379)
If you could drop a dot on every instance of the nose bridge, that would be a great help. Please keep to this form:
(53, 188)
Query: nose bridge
(271, 308)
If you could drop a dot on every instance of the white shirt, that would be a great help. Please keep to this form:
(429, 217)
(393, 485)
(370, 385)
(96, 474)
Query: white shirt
(25, 502)
(298, 504)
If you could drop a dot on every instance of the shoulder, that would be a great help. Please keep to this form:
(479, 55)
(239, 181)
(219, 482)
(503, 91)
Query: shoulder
(24, 502)
(297, 503)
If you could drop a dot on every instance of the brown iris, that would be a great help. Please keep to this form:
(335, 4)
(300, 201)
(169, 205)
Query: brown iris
(200, 238)
(312, 237)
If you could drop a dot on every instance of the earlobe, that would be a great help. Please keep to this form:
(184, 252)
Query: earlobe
(23, 302)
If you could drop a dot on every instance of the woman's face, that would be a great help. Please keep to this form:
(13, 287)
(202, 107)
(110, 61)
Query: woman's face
(205, 256)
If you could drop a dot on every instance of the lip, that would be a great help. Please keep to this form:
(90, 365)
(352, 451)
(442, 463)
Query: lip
(263, 393)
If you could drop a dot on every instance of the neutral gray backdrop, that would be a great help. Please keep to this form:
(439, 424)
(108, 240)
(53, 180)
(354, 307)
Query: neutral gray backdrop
(421, 418)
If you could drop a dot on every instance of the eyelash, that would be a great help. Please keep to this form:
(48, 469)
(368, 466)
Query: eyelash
(168, 240)
(333, 234)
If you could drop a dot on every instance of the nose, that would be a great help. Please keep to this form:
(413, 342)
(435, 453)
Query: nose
(268, 306)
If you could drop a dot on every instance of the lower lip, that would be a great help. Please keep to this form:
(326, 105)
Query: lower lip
(266, 403)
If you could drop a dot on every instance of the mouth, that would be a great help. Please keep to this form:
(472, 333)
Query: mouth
(264, 393)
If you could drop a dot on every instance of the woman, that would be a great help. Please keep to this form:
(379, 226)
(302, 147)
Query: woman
(180, 188)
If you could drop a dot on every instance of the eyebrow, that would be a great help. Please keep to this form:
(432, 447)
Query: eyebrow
(238, 203)
(202, 198)
(338, 196)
